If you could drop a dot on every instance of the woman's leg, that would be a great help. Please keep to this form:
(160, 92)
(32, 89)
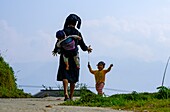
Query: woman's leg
(72, 87)
(65, 84)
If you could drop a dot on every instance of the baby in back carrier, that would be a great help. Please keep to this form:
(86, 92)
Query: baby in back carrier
(68, 43)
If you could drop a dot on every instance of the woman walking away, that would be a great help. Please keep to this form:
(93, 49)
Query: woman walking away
(69, 47)
(72, 74)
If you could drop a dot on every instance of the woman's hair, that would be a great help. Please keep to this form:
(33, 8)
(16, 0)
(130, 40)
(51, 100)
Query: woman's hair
(72, 19)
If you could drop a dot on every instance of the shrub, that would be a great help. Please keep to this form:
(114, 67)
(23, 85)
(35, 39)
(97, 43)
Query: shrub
(163, 93)
(8, 86)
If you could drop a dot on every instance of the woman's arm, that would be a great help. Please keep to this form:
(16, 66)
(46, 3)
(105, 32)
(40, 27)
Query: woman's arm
(83, 45)
(57, 49)
(73, 31)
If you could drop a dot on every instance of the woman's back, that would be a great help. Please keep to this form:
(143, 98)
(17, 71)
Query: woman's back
(72, 31)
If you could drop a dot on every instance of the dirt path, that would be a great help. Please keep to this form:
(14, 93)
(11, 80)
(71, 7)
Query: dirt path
(49, 104)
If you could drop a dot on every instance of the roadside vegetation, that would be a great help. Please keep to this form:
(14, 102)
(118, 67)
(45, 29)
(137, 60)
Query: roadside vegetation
(8, 86)
(139, 102)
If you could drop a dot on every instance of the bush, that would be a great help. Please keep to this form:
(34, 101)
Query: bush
(163, 93)
(8, 86)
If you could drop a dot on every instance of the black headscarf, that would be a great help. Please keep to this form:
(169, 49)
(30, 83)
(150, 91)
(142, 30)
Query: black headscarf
(72, 19)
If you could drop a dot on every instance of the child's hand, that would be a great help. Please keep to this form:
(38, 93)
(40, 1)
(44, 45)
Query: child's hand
(54, 54)
(111, 65)
(79, 38)
(88, 65)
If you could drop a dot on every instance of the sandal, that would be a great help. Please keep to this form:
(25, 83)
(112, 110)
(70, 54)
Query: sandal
(66, 99)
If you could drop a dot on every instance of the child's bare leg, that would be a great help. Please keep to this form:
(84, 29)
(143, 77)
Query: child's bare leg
(77, 61)
(66, 62)
(67, 65)
(99, 88)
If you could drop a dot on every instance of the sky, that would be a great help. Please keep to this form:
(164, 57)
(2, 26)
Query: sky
(133, 35)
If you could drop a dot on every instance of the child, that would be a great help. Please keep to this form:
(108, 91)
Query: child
(100, 75)
(67, 43)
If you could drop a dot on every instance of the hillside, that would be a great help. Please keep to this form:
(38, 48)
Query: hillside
(8, 86)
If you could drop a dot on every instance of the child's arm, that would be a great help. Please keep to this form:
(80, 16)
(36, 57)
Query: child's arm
(56, 49)
(108, 70)
(58, 44)
(75, 36)
(90, 69)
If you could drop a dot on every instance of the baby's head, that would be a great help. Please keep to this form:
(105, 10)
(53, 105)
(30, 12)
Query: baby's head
(60, 35)
(100, 65)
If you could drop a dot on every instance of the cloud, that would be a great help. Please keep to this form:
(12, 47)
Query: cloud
(142, 38)
(9, 38)
(139, 38)
(25, 48)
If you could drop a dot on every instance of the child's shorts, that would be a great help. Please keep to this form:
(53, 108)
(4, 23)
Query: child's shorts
(99, 87)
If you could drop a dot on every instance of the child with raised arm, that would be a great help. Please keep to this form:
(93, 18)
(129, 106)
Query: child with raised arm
(100, 75)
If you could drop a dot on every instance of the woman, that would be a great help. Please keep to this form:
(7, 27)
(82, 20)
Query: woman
(72, 75)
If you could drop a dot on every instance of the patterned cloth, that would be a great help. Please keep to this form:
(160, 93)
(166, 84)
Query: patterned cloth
(68, 44)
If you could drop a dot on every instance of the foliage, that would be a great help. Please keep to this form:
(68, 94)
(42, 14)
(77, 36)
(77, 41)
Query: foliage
(134, 101)
(7, 78)
(8, 86)
(163, 92)
(78, 86)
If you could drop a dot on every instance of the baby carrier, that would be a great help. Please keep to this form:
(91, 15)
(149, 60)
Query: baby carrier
(68, 44)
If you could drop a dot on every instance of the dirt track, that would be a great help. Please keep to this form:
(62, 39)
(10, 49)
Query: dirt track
(49, 104)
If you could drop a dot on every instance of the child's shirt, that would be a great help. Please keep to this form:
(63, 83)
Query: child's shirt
(99, 75)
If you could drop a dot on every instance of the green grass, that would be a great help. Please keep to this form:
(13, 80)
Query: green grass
(152, 102)
(8, 86)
